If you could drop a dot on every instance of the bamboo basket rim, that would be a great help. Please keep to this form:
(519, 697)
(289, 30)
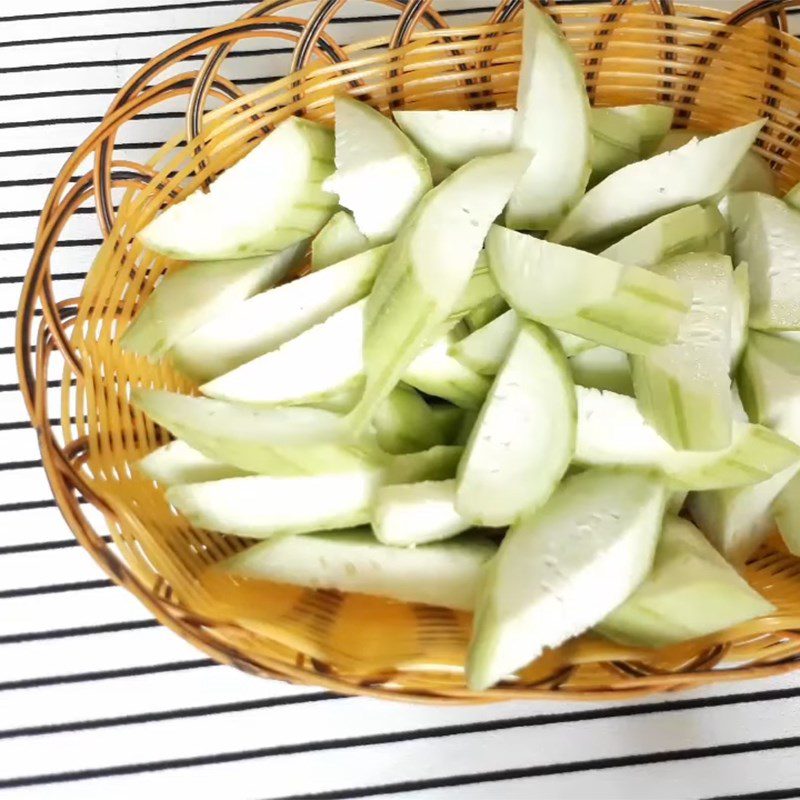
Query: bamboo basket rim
(320, 65)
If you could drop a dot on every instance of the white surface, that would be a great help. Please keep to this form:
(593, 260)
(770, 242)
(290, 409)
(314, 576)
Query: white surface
(87, 683)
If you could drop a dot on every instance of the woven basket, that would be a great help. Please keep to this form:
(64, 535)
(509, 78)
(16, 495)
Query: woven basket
(717, 71)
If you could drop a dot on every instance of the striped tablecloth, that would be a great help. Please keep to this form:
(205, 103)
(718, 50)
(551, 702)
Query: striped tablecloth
(97, 700)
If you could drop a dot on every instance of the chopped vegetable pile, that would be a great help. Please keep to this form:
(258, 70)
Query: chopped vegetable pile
(529, 341)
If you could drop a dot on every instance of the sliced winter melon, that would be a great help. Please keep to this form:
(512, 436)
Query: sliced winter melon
(564, 569)
(619, 305)
(269, 319)
(405, 423)
(752, 175)
(683, 388)
(410, 299)
(523, 439)
(339, 240)
(189, 297)
(177, 462)
(277, 441)
(766, 234)
(694, 229)
(690, 592)
(640, 192)
(410, 514)
(439, 574)
(603, 368)
(380, 176)
(613, 432)
(740, 312)
(552, 122)
(438, 463)
(264, 203)
(485, 349)
(451, 138)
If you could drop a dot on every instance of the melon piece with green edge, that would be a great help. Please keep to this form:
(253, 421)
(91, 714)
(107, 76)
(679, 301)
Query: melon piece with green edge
(410, 514)
(524, 437)
(484, 313)
(449, 139)
(637, 194)
(738, 520)
(615, 143)
(380, 175)
(485, 349)
(449, 420)
(603, 368)
(405, 423)
(337, 241)
(690, 592)
(562, 570)
(437, 373)
(683, 388)
(740, 312)
(693, 229)
(267, 320)
(792, 197)
(277, 441)
(438, 463)
(752, 175)
(651, 121)
(439, 574)
(766, 233)
(269, 200)
(177, 462)
(321, 361)
(479, 291)
(612, 432)
(187, 298)
(261, 506)
(552, 122)
(410, 299)
(620, 305)
(786, 510)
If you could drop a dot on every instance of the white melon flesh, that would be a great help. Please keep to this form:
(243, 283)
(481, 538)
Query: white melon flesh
(613, 432)
(267, 320)
(651, 122)
(562, 570)
(523, 439)
(451, 138)
(620, 305)
(766, 235)
(260, 506)
(380, 175)
(339, 240)
(640, 192)
(740, 312)
(485, 349)
(738, 520)
(177, 462)
(690, 592)
(410, 514)
(694, 229)
(321, 361)
(683, 388)
(277, 441)
(439, 574)
(410, 298)
(437, 373)
(187, 298)
(752, 175)
(264, 203)
(552, 122)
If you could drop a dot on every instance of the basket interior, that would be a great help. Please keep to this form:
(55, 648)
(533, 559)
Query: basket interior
(715, 76)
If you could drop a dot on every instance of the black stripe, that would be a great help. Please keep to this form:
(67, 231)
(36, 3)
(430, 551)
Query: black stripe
(12, 465)
(661, 757)
(119, 62)
(25, 423)
(58, 276)
(54, 383)
(26, 505)
(61, 243)
(38, 547)
(55, 588)
(454, 780)
(770, 794)
(46, 151)
(96, 12)
(88, 630)
(39, 123)
(106, 674)
(178, 713)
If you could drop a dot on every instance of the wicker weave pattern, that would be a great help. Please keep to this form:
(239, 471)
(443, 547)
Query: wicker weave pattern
(716, 72)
